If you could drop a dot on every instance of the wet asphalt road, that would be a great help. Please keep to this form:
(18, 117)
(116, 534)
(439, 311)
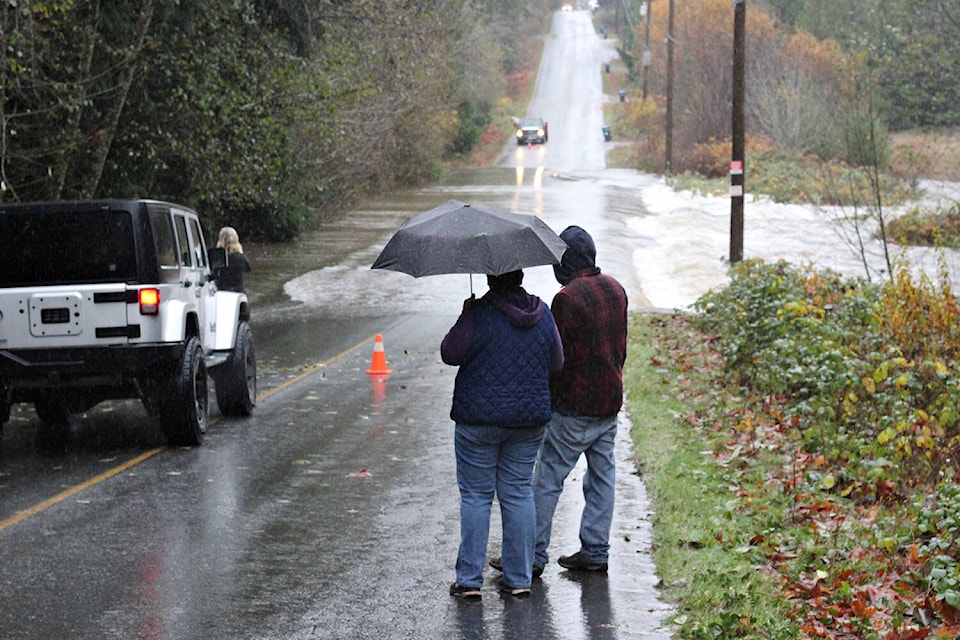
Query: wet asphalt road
(332, 512)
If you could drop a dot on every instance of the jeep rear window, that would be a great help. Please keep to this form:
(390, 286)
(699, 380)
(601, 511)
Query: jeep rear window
(66, 247)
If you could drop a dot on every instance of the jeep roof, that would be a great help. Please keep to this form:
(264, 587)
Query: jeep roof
(86, 242)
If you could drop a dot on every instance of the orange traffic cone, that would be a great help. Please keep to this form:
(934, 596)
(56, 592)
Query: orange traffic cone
(378, 365)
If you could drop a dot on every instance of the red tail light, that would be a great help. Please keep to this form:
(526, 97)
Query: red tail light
(149, 302)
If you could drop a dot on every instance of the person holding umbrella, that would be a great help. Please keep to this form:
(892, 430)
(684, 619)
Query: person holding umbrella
(506, 346)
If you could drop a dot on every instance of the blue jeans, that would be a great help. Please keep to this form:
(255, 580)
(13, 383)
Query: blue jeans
(566, 439)
(496, 460)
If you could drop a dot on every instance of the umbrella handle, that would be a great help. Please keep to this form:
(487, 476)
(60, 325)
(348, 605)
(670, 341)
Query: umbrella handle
(471, 285)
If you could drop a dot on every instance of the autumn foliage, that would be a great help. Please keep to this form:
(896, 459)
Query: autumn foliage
(799, 87)
(836, 440)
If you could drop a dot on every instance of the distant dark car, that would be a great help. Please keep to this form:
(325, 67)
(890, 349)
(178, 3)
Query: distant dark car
(531, 130)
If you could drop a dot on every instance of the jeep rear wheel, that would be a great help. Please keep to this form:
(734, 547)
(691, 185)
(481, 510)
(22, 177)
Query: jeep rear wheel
(52, 413)
(184, 416)
(236, 381)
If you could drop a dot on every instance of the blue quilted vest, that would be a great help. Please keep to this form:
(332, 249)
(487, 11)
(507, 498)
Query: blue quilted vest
(504, 380)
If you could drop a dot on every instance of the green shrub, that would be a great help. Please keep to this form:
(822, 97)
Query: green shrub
(938, 522)
(930, 227)
(814, 181)
(818, 443)
(867, 141)
(471, 121)
(870, 371)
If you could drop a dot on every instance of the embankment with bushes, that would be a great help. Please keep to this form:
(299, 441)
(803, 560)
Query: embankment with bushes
(799, 437)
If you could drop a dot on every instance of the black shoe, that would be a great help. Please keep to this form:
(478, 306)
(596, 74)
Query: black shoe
(519, 592)
(496, 564)
(467, 593)
(577, 562)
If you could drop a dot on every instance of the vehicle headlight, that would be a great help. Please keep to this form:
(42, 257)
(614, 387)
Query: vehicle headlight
(519, 133)
(540, 132)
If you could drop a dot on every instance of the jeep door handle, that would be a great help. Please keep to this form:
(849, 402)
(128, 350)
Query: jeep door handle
(187, 284)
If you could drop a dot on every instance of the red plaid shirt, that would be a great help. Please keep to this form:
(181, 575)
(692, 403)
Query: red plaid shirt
(591, 315)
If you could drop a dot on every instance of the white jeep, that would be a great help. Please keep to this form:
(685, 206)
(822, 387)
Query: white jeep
(118, 299)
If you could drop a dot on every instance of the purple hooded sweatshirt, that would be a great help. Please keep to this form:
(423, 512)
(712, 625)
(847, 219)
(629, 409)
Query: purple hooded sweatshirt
(507, 346)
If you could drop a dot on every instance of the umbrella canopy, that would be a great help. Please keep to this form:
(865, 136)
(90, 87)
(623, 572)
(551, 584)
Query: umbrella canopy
(459, 238)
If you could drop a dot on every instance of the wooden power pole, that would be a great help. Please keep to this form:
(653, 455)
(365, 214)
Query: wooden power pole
(646, 46)
(739, 127)
(668, 142)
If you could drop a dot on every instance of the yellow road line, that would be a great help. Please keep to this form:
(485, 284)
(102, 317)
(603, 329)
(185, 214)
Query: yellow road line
(72, 491)
(292, 381)
(106, 475)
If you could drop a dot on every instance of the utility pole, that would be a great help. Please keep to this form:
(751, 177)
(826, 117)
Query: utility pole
(668, 152)
(646, 46)
(739, 127)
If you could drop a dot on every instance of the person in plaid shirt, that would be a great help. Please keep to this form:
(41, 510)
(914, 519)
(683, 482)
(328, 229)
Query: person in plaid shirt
(586, 395)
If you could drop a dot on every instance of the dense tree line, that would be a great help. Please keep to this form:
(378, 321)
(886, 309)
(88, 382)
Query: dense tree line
(823, 78)
(797, 86)
(911, 46)
(256, 112)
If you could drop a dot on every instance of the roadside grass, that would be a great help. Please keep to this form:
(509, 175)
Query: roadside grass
(798, 436)
(704, 535)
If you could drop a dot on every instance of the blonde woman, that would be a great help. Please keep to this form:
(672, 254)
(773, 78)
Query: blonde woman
(231, 276)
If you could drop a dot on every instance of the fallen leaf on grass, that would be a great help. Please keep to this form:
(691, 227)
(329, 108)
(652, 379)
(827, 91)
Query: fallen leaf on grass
(947, 631)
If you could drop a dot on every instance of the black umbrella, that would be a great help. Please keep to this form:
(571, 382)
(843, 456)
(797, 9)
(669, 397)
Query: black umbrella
(459, 238)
